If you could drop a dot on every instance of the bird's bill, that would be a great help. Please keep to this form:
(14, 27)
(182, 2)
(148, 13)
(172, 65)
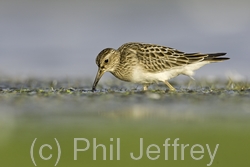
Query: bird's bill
(97, 78)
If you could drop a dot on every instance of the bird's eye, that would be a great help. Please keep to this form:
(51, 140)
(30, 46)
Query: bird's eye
(106, 61)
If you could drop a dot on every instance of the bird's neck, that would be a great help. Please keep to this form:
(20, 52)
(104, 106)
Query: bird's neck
(123, 71)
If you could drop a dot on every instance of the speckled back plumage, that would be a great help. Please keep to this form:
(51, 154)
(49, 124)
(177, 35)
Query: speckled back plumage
(155, 58)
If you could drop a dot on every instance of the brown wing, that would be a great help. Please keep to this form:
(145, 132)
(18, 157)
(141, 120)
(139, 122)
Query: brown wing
(155, 58)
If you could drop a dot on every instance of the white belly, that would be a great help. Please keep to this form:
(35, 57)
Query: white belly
(140, 76)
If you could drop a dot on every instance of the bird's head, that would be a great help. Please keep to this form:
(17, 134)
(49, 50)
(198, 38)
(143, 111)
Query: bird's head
(107, 61)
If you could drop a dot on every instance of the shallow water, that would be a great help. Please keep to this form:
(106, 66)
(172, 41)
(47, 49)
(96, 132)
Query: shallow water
(199, 113)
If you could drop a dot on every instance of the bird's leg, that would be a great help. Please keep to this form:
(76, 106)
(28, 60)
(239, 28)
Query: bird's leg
(145, 87)
(171, 88)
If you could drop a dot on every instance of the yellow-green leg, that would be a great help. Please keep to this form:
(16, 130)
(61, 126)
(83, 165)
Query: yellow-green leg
(145, 87)
(170, 86)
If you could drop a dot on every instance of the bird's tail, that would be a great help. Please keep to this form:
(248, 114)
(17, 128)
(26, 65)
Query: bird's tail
(215, 57)
(210, 57)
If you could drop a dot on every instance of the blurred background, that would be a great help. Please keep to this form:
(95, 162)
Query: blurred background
(61, 39)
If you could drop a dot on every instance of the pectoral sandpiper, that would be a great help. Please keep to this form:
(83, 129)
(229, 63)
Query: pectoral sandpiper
(148, 63)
